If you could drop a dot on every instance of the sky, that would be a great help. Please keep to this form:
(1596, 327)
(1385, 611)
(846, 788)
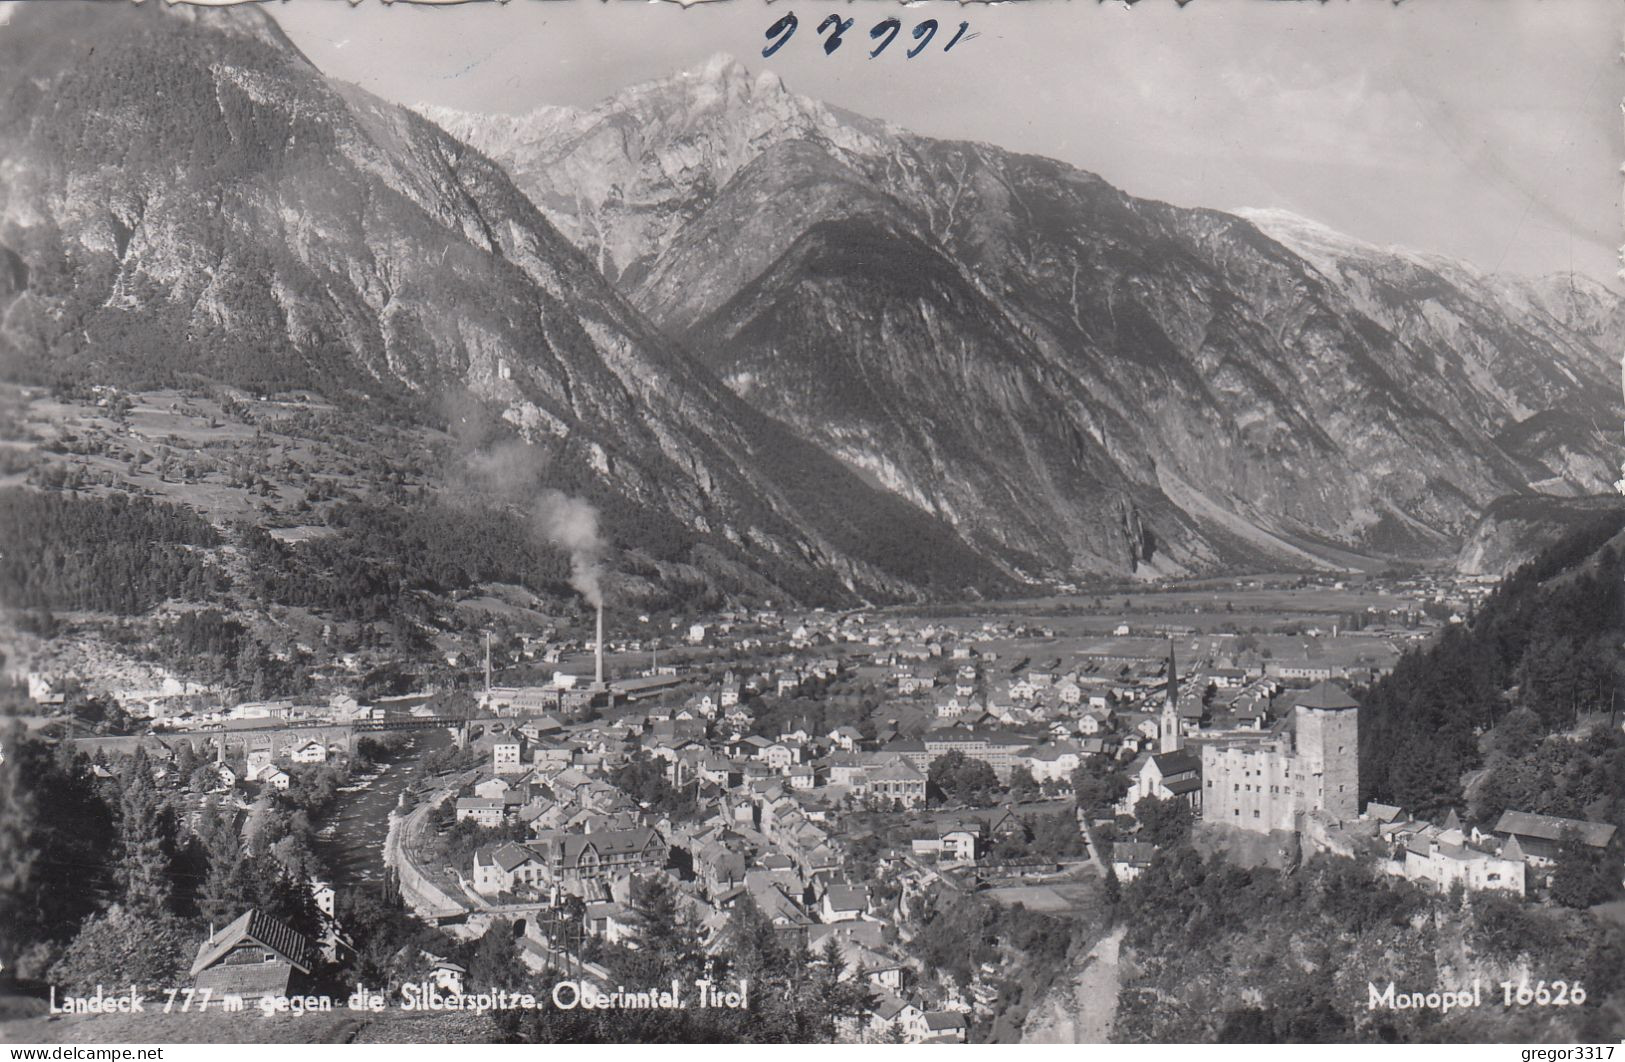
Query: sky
(1490, 132)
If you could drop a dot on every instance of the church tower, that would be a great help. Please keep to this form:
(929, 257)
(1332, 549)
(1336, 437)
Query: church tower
(1171, 738)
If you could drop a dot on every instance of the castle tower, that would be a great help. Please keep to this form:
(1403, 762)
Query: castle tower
(1326, 767)
(1170, 736)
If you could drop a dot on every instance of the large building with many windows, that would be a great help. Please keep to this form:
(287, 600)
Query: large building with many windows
(1309, 764)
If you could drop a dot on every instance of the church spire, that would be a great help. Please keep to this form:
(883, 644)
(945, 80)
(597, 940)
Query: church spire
(1173, 674)
(1170, 736)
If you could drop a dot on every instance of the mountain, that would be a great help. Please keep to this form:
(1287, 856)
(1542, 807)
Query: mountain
(185, 198)
(1076, 379)
(1515, 528)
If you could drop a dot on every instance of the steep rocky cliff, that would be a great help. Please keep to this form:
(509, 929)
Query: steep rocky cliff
(185, 198)
(1070, 375)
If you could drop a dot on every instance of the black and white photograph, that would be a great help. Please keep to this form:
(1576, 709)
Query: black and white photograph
(585, 522)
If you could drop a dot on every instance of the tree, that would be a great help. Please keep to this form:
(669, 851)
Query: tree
(666, 941)
(1022, 780)
(1097, 789)
(54, 864)
(147, 948)
(1111, 886)
(222, 851)
(1579, 876)
(146, 865)
(494, 962)
(1164, 822)
(962, 779)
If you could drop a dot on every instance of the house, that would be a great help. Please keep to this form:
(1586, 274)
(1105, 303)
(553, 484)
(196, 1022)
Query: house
(720, 867)
(1094, 722)
(1443, 864)
(880, 969)
(944, 1026)
(916, 680)
(445, 976)
(892, 1015)
(309, 752)
(492, 788)
(1540, 836)
(572, 859)
(1052, 762)
(615, 923)
(953, 842)
(845, 738)
(227, 776)
(1004, 822)
(1130, 858)
(505, 757)
(549, 759)
(254, 957)
(898, 780)
(485, 811)
(499, 869)
(275, 777)
(844, 903)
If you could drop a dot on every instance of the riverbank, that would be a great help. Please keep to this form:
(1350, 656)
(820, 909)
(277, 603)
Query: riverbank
(426, 899)
(353, 831)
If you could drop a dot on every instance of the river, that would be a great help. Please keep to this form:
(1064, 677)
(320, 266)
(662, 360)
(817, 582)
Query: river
(351, 840)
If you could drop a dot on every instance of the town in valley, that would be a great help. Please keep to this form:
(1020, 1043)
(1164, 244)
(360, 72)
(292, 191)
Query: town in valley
(731, 550)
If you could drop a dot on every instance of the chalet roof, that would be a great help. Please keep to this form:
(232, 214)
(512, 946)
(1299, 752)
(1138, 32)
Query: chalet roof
(1384, 812)
(1181, 786)
(847, 898)
(867, 934)
(510, 856)
(888, 1005)
(1171, 763)
(1325, 696)
(896, 771)
(255, 926)
(1550, 827)
(1134, 853)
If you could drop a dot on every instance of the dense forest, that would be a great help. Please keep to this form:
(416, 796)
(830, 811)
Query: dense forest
(1545, 645)
(117, 554)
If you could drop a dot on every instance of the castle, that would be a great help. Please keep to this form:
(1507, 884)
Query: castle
(1310, 764)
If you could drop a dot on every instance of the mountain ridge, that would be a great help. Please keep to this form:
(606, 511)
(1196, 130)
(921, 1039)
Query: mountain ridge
(1284, 391)
(201, 203)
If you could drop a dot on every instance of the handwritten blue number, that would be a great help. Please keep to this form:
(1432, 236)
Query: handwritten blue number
(963, 26)
(889, 28)
(786, 26)
(927, 29)
(841, 26)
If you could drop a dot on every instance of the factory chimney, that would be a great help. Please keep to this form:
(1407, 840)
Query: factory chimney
(598, 673)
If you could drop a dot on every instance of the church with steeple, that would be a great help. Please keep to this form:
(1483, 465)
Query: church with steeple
(1171, 772)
